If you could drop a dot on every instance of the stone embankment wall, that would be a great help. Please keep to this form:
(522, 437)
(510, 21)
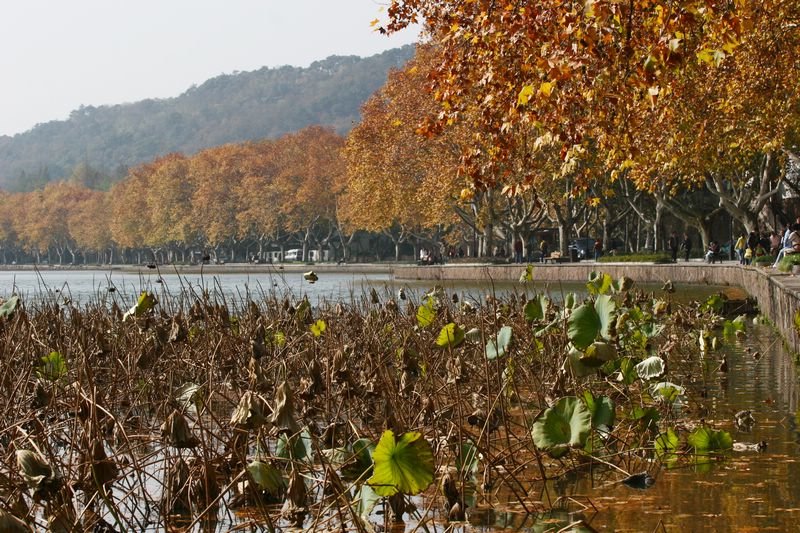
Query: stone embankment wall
(777, 294)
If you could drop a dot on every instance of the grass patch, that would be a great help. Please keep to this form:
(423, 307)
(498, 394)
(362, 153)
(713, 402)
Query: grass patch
(788, 261)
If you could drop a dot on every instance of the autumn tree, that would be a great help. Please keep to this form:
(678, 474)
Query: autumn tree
(309, 172)
(398, 181)
(569, 67)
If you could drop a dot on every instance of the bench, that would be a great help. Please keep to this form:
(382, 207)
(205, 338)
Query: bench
(555, 260)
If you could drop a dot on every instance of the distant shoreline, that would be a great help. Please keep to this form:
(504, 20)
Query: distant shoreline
(229, 268)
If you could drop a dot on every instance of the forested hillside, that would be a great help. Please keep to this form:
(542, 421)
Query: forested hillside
(96, 145)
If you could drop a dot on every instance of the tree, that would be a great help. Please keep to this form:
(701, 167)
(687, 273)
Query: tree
(573, 67)
(399, 182)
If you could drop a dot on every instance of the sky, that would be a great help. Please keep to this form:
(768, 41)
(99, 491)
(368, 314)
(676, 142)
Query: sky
(57, 55)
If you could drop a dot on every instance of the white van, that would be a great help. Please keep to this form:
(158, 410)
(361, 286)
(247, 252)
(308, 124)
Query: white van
(293, 255)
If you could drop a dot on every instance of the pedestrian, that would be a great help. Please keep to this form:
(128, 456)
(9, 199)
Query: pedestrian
(518, 250)
(598, 249)
(741, 244)
(686, 245)
(774, 243)
(673, 246)
(543, 248)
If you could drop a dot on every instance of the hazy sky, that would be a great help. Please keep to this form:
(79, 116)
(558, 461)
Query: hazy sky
(56, 55)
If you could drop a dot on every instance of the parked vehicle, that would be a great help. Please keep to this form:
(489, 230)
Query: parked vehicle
(294, 254)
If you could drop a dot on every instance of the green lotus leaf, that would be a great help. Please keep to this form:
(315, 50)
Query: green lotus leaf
(426, 313)
(145, 303)
(583, 326)
(606, 311)
(359, 464)
(536, 308)
(601, 408)
(650, 368)
(267, 477)
(8, 307)
(318, 328)
(527, 274)
(498, 345)
(467, 459)
(598, 353)
(404, 466)
(599, 283)
(705, 439)
(668, 391)
(450, 336)
(565, 425)
(666, 442)
(53, 367)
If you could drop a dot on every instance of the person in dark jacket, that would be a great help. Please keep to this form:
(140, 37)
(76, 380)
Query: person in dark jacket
(673, 246)
(686, 245)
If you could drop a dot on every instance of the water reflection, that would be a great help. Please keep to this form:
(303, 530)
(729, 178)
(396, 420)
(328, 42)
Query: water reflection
(744, 491)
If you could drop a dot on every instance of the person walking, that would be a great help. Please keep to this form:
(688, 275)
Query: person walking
(598, 249)
(518, 251)
(741, 244)
(686, 245)
(673, 246)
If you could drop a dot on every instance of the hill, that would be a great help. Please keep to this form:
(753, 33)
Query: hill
(96, 145)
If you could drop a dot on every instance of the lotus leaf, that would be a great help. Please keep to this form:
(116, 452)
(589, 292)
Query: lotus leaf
(666, 442)
(426, 313)
(598, 353)
(499, 344)
(318, 327)
(605, 308)
(53, 367)
(583, 326)
(267, 477)
(565, 425)
(536, 308)
(450, 336)
(145, 303)
(8, 307)
(650, 368)
(527, 274)
(668, 391)
(705, 439)
(401, 466)
(359, 463)
(602, 410)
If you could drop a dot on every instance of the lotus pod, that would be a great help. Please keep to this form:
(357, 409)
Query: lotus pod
(283, 417)
(310, 276)
(38, 475)
(249, 414)
(176, 430)
(11, 524)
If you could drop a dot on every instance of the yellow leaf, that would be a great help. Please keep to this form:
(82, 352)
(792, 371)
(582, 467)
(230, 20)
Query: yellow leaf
(546, 88)
(525, 95)
(374, 23)
(397, 122)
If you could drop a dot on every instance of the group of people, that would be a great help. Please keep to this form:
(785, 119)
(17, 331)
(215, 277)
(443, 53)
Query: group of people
(750, 247)
(675, 244)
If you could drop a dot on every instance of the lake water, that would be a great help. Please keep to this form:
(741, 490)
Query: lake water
(742, 492)
(124, 287)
